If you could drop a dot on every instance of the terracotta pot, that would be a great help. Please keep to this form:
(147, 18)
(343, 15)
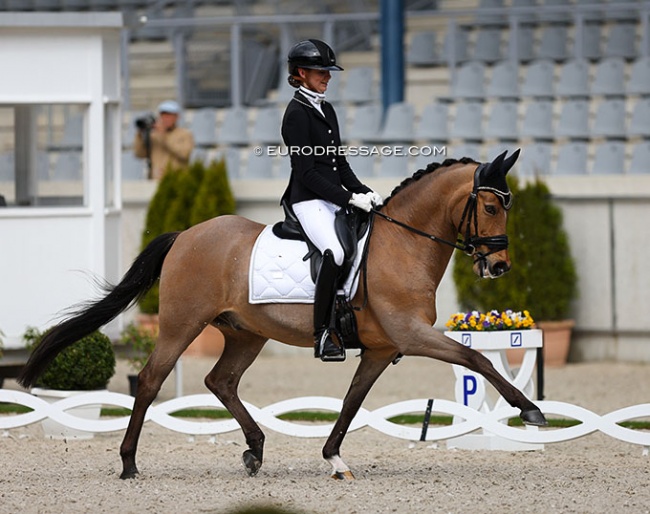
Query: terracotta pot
(557, 341)
(208, 343)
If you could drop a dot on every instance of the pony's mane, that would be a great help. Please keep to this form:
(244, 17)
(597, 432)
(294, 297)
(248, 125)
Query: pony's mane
(431, 167)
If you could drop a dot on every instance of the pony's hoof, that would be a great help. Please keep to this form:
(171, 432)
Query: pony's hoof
(129, 473)
(533, 417)
(251, 463)
(343, 475)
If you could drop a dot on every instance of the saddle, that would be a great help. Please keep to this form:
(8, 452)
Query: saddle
(350, 226)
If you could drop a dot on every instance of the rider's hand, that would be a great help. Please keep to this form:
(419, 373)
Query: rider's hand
(361, 201)
(375, 199)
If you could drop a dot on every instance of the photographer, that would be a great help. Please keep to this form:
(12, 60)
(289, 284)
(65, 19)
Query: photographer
(161, 141)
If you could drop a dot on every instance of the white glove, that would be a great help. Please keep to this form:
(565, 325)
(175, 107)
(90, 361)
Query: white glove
(375, 198)
(361, 201)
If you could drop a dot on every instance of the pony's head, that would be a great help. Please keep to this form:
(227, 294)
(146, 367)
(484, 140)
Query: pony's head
(483, 223)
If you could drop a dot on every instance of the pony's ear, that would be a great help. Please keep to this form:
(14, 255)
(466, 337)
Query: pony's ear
(510, 161)
(495, 165)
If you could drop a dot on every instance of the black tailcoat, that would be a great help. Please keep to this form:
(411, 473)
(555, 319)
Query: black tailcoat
(327, 175)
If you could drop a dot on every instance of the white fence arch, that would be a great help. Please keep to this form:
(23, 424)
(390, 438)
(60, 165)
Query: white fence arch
(491, 422)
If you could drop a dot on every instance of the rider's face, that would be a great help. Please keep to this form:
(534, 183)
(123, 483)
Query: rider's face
(315, 80)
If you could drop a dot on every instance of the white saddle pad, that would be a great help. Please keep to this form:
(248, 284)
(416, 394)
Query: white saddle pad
(279, 275)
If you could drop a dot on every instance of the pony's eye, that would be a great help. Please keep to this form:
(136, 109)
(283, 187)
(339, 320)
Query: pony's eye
(491, 209)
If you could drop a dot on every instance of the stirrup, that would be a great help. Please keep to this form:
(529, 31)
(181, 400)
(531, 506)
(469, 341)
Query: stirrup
(327, 350)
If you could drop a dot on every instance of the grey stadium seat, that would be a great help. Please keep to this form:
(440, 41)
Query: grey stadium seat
(502, 121)
(609, 158)
(621, 41)
(266, 129)
(574, 79)
(364, 125)
(524, 44)
(639, 82)
(467, 122)
(538, 81)
(590, 48)
(204, 127)
(259, 166)
(461, 43)
(487, 47)
(538, 120)
(399, 125)
(233, 162)
(471, 150)
(640, 162)
(433, 125)
(504, 81)
(610, 119)
(394, 166)
(234, 129)
(573, 122)
(358, 85)
(609, 79)
(572, 159)
(469, 81)
(362, 165)
(422, 51)
(535, 160)
(553, 43)
(640, 120)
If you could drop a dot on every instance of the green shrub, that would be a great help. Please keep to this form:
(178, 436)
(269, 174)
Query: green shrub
(183, 199)
(214, 197)
(140, 342)
(86, 365)
(543, 275)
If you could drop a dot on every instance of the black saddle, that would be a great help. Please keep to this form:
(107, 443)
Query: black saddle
(350, 226)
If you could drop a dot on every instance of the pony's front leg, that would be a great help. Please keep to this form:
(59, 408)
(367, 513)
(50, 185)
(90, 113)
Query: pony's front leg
(372, 364)
(428, 342)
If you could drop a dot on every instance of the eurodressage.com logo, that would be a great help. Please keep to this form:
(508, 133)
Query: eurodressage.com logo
(351, 151)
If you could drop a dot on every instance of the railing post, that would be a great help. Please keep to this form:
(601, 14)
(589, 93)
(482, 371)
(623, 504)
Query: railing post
(235, 65)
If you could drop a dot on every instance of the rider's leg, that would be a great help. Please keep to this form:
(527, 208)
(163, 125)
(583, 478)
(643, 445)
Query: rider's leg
(317, 220)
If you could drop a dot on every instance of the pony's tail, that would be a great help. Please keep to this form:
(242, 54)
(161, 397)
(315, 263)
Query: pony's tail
(89, 317)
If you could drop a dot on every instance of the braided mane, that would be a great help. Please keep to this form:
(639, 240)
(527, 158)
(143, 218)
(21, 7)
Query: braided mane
(431, 167)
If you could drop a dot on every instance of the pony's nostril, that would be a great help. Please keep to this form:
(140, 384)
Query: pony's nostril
(500, 268)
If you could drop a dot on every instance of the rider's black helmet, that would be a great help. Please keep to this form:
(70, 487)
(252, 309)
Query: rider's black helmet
(312, 54)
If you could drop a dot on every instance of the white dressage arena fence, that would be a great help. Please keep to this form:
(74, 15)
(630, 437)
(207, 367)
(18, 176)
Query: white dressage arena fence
(468, 420)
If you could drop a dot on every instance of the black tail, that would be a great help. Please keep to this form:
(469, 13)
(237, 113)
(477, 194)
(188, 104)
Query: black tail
(138, 280)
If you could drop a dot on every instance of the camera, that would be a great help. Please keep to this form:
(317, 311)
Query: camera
(146, 122)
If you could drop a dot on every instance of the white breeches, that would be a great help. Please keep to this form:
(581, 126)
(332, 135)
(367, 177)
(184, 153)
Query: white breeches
(317, 220)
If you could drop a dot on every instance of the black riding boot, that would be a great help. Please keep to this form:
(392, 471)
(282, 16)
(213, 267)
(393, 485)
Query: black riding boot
(324, 299)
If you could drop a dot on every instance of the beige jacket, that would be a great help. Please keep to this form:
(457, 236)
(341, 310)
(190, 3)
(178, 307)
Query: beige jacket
(172, 148)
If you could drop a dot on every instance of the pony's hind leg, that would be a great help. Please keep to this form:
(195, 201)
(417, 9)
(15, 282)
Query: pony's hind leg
(167, 351)
(240, 350)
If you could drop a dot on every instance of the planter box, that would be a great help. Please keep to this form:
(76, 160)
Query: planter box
(499, 339)
(55, 430)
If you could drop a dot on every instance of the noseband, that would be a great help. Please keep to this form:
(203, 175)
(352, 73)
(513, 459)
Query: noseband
(469, 243)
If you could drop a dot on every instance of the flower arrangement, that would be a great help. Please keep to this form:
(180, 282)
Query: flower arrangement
(490, 321)
(141, 342)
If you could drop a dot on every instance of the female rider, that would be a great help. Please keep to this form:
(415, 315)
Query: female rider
(322, 181)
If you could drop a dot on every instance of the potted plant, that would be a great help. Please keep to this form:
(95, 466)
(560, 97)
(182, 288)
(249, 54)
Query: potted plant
(543, 276)
(140, 342)
(86, 365)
